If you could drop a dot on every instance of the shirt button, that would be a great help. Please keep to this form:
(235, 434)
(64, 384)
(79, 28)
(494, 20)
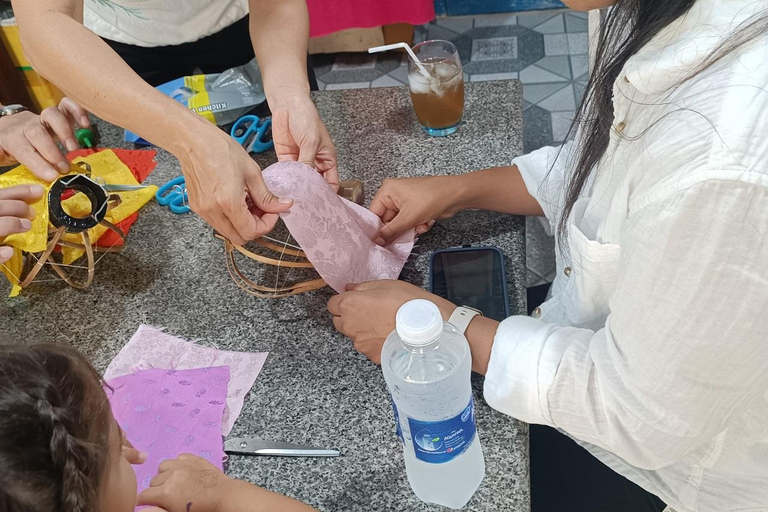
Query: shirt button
(567, 271)
(626, 79)
(536, 313)
(620, 127)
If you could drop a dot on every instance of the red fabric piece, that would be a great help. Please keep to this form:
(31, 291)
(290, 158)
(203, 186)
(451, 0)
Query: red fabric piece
(327, 16)
(112, 239)
(141, 162)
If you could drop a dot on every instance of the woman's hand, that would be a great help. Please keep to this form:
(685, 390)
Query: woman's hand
(15, 213)
(30, 140)
(366, 312)
(187, 483)
(406, 203)
(300, 135)
(226, 188)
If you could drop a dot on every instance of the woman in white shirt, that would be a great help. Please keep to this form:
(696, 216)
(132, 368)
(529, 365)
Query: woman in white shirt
(651, 349)
(225, 185)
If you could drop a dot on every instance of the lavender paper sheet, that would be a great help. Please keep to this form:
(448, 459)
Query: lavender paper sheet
(151, 348)
(169, 412)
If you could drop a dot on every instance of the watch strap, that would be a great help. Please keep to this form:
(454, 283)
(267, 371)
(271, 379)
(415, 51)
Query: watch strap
(9, 110)
(462, 316)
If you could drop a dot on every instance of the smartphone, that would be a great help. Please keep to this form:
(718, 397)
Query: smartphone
(472, 276)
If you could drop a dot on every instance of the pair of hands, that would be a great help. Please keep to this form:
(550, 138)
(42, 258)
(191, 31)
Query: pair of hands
(30, 140)
(225, 185)
(365, 313)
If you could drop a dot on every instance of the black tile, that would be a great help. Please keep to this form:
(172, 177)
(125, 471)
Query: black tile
(537, 128)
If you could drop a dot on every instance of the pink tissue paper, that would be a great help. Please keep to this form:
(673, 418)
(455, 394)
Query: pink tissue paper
(169, 412)
(152, 348)
(336, 234)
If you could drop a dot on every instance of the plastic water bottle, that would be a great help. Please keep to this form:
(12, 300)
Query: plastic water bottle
(427, 366)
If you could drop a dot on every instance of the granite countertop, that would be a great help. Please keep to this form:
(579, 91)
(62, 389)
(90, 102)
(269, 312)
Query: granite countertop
(314, 388)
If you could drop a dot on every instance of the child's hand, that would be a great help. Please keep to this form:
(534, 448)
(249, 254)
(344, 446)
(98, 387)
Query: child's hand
(131, 454)
(186, 484)
(15, 213)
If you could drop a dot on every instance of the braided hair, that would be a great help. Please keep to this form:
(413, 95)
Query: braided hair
(54, 430)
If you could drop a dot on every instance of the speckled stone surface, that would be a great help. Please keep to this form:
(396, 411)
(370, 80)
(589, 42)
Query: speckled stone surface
(314, 388)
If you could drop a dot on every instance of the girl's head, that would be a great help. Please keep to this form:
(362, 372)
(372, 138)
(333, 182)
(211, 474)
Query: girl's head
(60, 446)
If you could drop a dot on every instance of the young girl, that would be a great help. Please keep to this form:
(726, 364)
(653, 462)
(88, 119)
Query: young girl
(61, 449)
(650, 351)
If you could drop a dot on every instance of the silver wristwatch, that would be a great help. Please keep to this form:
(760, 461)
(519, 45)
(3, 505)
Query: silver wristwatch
(462, 316)
(9, 110)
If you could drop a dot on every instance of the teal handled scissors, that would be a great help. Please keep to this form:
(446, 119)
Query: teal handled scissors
(174, 195)
(252, 132)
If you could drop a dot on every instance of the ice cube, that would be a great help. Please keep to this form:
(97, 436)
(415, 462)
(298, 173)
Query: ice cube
(446, 70)
(418, 83)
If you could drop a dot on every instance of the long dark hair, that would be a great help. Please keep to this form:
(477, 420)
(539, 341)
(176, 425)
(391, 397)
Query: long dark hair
(54, 430)
(624, 29)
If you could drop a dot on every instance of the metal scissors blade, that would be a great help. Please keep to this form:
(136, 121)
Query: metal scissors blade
(253, 446)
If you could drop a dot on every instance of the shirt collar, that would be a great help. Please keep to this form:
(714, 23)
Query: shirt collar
(679, 49)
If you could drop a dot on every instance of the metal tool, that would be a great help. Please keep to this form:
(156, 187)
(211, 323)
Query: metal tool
(253, 446)
(174, 195)
(253, 133)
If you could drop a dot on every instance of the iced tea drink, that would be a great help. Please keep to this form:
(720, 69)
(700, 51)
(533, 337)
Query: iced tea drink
(438, 100)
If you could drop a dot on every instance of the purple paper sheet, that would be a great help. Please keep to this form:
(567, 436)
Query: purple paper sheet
(169, 412)
(152, 348)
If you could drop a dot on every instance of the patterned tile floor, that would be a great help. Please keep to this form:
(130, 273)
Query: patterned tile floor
(547, 51)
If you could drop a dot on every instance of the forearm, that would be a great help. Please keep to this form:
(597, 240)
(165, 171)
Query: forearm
(499, 189)
(244, 497)
(279, 33)
(86, 69)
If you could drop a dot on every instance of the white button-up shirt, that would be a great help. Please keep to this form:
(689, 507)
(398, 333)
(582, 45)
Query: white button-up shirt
(652, 351)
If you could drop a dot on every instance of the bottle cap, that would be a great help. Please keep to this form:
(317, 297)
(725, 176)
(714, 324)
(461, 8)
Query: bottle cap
(419, 322)
(84, 137)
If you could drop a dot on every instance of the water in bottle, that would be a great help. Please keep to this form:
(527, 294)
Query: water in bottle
(427, 366)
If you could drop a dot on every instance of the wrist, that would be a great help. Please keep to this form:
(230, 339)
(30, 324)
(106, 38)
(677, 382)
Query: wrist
(287, 97)
(228, 489)
(459, 193)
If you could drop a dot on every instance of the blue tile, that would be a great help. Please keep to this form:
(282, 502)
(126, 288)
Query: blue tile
(553, 25)
(558, 64)
(576, 23)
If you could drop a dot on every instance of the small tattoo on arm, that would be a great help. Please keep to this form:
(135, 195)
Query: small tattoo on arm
(208, 479)
(189, 506)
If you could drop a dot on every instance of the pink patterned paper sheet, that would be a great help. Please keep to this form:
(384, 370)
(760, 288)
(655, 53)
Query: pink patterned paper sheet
(169, 412)
(152, 348)
(336, 234)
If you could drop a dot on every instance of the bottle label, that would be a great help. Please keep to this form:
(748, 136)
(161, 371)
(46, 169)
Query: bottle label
(398, 430)
(437, 442)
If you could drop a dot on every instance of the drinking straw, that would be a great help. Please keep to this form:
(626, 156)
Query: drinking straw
(407, 48)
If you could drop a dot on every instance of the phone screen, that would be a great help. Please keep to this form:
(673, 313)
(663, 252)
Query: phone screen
(472, 277)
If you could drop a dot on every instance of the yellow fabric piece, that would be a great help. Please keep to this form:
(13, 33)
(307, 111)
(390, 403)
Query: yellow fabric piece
(105, 166)
(12, 270)
(36, 239)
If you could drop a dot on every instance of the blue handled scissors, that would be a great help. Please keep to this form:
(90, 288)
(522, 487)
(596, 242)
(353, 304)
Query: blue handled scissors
(174, 195)
(249, 131)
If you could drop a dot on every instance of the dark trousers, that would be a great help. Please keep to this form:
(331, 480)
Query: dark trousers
(218, 52)
(566, 478)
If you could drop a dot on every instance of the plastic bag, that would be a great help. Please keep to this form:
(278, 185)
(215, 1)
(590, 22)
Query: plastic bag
(222, 98)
